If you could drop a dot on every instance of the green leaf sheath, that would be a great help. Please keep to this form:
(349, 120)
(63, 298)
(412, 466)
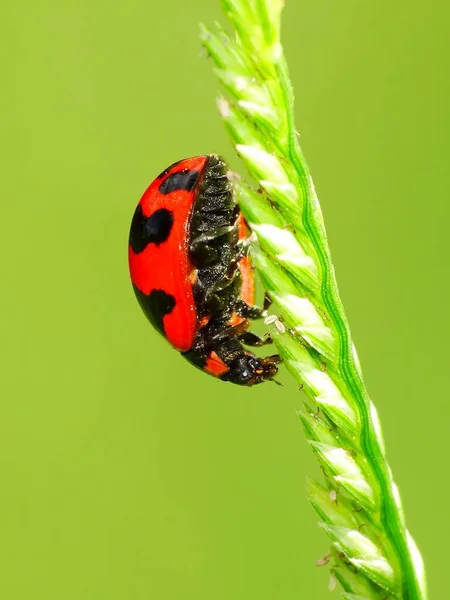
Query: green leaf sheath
(372, 554)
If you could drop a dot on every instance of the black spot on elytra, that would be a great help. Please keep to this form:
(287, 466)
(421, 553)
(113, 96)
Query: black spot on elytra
(169, 168)
(156, 306)
(182, 180)
(154, 229)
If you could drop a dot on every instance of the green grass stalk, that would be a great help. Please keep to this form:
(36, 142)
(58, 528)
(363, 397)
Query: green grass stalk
(373, 555)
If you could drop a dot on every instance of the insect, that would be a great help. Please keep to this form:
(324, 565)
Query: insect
(190, 272)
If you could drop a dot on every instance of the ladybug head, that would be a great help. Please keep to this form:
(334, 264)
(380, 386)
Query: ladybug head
(249, 370)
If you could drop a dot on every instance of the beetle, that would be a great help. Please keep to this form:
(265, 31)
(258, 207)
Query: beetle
(190, 270)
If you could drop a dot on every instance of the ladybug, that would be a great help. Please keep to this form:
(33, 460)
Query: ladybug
(190, 272)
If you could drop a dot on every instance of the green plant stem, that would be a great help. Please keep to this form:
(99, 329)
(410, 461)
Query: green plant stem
(373, 556)
(390, 511)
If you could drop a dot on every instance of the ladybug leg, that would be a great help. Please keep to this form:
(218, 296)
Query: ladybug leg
(246, 337)
(253, 312)
(249, 312)
(275, 359)
(228, 333)
(251, 339)
(267, 302)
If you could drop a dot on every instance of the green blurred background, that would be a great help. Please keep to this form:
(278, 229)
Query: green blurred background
(125, 473)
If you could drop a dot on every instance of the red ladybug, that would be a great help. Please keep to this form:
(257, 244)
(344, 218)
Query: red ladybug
(190, 273)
